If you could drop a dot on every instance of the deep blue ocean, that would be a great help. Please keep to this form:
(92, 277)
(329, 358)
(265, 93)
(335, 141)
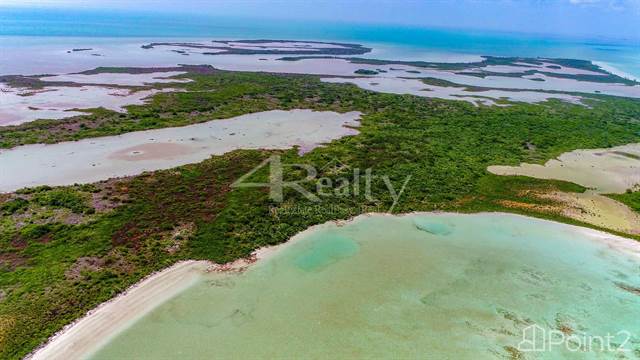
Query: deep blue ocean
(623, 53)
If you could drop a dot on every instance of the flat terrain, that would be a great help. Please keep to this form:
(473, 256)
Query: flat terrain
(64, 250)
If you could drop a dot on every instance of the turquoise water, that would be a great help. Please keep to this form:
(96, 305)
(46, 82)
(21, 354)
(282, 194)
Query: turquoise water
(418, 286)
(405, 42)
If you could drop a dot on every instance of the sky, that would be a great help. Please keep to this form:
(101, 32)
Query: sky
(593, 18)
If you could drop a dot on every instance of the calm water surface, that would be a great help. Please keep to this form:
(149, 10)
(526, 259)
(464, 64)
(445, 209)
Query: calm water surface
(20, 29)
(438, 286)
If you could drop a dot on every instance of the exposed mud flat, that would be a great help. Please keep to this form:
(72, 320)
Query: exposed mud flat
(397, 286)
(419, 88)
(544, 67)
(612, 170)
(261, 47)
(598, 210)
(18, 106)
(96, 159)
(107, 78)
(603, 171)
(130, 53)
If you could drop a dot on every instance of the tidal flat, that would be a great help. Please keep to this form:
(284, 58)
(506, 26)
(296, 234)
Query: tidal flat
(435, 285)
(19, 106)
(538, 76)
(118, 78)
(91, 160)
(73, 248)
(476, 97)
(612, 170)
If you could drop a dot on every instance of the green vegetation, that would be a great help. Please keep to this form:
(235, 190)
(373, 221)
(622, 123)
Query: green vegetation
(366, 72)
(608, 78)
(494, 60)
(229, 49)
(212, 96)
(13, 206)
(62, 198)
(440, 82)
(58, 259)
(629, 198)
(446, 83)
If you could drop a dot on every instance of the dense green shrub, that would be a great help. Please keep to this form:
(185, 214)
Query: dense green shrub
(13, 206)
(62, 198)
(444, 145)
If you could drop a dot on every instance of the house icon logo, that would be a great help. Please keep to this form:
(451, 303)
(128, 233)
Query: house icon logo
(533, 339)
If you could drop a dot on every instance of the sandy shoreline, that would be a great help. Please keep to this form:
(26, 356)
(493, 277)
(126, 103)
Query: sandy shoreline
(87, 334)
(615, 71)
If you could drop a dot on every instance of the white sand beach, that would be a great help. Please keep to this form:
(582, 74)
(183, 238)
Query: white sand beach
(609, 68)
(78, 339)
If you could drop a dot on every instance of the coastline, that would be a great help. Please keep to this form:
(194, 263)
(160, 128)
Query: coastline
(175, 262)
(79, 339)
(615, 71)
(90, 160)
(112, 316)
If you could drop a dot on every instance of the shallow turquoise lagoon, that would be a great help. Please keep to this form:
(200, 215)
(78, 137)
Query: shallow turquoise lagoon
(439, 286)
